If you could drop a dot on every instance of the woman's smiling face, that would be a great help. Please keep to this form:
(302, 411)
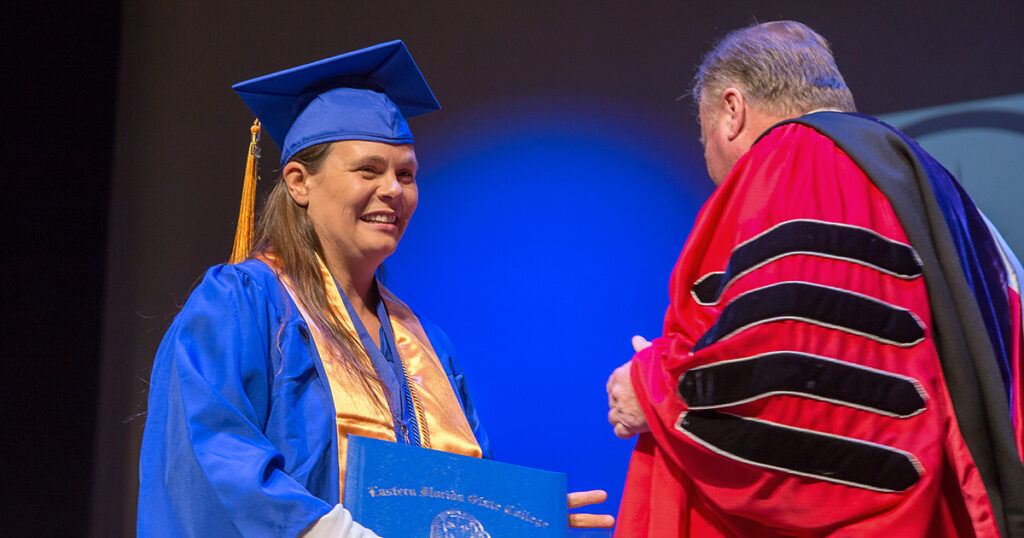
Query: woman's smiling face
(360, 200)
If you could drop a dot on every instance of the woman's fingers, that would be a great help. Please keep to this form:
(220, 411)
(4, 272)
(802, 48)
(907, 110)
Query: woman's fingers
(589, 521)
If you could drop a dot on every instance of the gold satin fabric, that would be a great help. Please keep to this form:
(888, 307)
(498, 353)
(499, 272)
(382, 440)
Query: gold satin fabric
(442, 423)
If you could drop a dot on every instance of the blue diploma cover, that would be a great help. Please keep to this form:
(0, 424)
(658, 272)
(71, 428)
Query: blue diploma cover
(399, 491)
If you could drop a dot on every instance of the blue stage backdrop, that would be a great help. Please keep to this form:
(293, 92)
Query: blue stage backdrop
(541, 244)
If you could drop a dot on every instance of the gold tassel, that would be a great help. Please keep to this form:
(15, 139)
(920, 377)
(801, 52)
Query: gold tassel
(243, 233)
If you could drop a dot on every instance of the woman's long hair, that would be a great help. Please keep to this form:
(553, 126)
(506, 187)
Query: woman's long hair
(285, 230)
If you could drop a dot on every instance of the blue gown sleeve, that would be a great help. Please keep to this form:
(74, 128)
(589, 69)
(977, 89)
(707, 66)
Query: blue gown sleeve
(449, 361)
(206, 465)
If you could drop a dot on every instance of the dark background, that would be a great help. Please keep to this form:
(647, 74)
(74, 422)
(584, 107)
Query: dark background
(123, 144)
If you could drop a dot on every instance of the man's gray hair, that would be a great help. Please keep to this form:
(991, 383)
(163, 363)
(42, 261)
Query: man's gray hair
(782, 67)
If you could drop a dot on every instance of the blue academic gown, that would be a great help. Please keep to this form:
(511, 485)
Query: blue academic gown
(240, 435)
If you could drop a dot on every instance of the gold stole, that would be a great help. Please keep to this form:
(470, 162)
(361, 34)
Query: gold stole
(442, 423)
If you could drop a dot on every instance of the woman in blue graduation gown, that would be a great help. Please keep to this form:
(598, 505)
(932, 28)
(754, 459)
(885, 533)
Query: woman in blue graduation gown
(274, 360)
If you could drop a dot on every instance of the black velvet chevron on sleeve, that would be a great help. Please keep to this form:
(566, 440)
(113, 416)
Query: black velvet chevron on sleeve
(736, 381)
(819, 305)
(817, 455)
(827, 239)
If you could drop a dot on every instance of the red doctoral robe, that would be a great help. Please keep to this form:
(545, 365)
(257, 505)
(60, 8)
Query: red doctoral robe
(796, 390)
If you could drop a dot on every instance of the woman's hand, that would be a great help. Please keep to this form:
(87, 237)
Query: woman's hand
(589, 521)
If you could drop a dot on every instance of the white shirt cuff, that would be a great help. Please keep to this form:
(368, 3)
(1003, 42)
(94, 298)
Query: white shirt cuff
(337, 523)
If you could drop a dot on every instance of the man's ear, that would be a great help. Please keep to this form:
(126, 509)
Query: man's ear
(296, 178)
(735, 111)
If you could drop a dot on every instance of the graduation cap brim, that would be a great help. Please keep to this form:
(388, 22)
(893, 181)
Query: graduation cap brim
(279, 98)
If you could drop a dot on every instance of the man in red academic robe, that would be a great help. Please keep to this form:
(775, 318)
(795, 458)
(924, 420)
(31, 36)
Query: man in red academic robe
(841, 355)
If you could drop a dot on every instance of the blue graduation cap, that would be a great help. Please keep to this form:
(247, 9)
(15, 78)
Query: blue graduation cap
(363, 95)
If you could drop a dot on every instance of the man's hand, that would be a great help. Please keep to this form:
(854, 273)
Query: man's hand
(589, 521)
(624, 411)
(639, 343)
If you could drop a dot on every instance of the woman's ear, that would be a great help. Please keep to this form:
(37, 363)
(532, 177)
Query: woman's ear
(296, 178)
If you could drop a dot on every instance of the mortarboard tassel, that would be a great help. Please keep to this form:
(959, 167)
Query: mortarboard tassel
(243, 233)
